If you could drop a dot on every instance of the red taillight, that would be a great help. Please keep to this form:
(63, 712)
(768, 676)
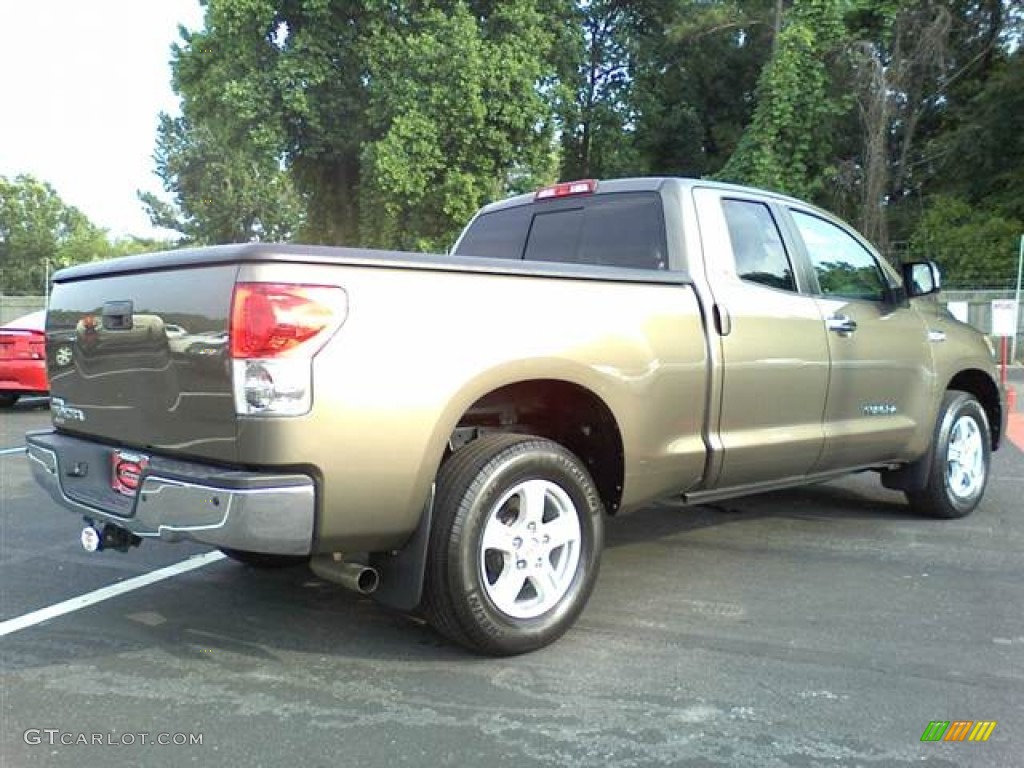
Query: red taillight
(567, 189)
(22, 345)
(37, 346)
(282, 319)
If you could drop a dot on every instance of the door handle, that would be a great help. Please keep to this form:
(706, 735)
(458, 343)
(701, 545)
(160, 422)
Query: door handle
(723, 323)
(841, 324)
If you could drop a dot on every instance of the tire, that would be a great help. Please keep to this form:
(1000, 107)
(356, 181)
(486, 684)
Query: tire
(495, 583)
(960, 460)
(264, 560)
(7, 399)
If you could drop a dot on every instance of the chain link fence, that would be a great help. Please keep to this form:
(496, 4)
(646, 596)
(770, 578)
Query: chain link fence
(978, 305)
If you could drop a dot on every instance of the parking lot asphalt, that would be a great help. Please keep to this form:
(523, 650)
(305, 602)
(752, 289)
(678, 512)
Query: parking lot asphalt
(820, 627)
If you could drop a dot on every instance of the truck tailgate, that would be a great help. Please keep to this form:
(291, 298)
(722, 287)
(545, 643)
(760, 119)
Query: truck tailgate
(141, 359)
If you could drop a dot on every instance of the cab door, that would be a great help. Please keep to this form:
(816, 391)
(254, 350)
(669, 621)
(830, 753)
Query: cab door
(881, 378)
(773, 350)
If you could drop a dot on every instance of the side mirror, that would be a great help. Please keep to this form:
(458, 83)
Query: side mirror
(921, 278)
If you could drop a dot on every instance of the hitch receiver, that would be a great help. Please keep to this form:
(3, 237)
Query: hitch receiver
(110, 536)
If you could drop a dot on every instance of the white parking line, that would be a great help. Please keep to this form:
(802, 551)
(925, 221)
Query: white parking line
(12, 451)
(105, 593)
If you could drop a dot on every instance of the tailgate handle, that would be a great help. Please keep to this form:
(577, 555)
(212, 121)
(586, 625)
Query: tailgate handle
(117, 315)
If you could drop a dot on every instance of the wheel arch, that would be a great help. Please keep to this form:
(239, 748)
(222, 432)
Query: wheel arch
(566, 412)
(986, 391)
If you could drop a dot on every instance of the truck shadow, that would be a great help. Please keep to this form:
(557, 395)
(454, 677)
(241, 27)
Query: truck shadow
(27, 404)
(859, 498)
(237, 618)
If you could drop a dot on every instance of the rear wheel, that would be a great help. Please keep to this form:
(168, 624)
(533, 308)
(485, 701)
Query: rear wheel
(7, 399)
(264, 560)
(960, 459)
(515, 545)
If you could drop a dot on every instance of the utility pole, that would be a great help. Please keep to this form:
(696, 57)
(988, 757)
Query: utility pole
(1016, 301)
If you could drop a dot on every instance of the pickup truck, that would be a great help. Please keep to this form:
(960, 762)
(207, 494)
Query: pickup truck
(448, 432)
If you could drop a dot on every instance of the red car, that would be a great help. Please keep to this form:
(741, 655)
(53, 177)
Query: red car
(23, 358)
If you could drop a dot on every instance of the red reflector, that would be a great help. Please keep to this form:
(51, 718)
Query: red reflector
(567, 189)
(281, 319)
(126, 472)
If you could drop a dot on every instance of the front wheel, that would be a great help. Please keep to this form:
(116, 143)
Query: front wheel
(7, 399)
(515, 546)
(960, 459)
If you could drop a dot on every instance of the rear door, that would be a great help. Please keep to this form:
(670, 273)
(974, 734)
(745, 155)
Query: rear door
(882, 376)
(773, 346)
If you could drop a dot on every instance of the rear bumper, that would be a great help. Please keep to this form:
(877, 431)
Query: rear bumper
(23, 376)
(177, 500)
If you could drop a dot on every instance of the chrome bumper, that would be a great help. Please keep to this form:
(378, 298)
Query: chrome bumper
(176, 501)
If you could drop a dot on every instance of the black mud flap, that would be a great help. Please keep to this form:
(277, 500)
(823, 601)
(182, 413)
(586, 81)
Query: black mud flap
(401, 572)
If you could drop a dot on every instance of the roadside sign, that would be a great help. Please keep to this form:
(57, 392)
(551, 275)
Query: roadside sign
(1004, 317)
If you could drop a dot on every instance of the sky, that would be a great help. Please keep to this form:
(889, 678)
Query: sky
(81, 85)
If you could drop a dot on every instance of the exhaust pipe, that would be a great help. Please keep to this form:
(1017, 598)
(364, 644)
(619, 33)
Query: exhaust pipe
(360, 578)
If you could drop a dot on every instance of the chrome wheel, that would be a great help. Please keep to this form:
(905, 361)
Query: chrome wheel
(530, 549)
(515, 544)
(965, 458)
(956, 471)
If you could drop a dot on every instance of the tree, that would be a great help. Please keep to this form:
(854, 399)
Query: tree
(593, 93)
(39, 232)
(788, 144)
(225, 191)
(980, 157)
(696, 70)
(455, 118)
(974, 247)
(392, 120)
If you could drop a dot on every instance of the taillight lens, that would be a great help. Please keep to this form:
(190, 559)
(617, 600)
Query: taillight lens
(276, 329)
(37, 346)
(278, 320)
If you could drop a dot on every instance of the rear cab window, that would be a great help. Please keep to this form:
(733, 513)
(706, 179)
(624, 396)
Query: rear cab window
(617, 229)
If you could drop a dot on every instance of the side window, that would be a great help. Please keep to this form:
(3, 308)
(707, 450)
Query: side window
(500, 234)
(845, 268)
(757, 245)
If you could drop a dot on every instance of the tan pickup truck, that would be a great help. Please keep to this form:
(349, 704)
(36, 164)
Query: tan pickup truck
(448, 432)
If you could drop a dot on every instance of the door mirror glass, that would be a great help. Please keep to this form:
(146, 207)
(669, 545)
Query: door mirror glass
(921, 278)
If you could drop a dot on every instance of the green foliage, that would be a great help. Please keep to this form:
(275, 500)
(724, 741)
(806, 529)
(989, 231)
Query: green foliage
(225, 191)
(384, 123)
(696, 69)
(39, 232)
(388, 122)
(974, 247)
(982, 153)
(788, 144)
(454, 113)
(593, 96)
